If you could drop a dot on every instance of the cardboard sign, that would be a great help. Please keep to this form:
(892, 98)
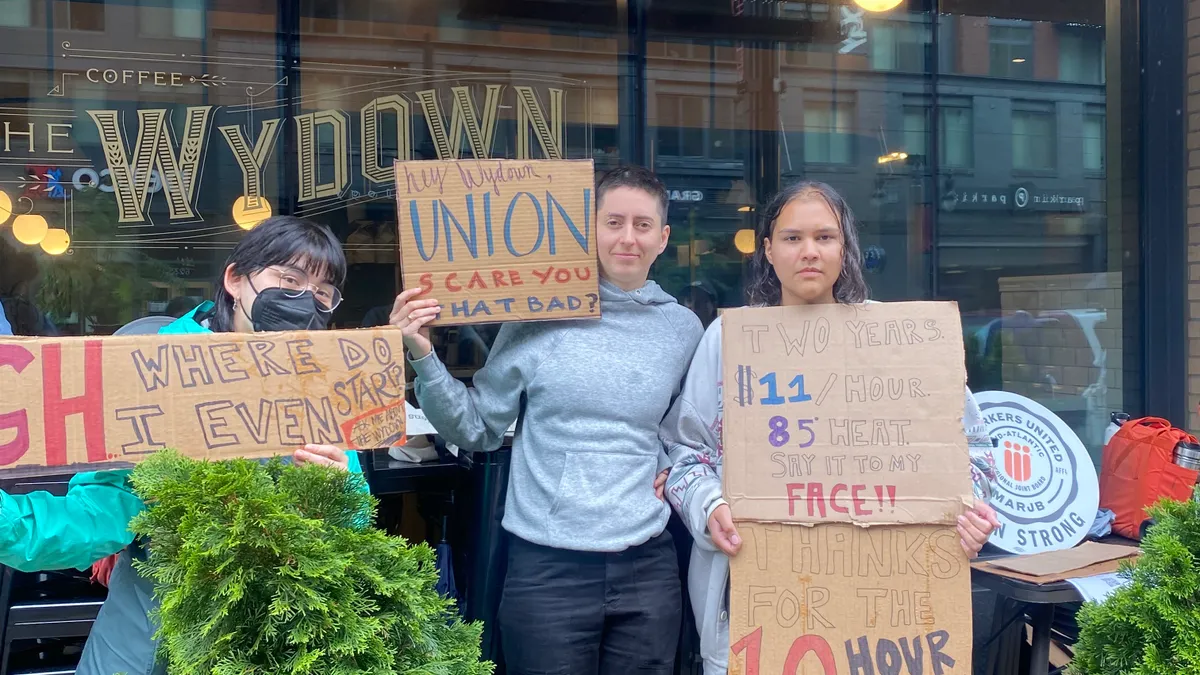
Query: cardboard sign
(845, 413)
(83, 404)
(1047, 491)
(843, 600)
(500, 240)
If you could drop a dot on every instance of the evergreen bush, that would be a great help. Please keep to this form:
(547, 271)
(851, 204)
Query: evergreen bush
(1151, 626)
(271, 568)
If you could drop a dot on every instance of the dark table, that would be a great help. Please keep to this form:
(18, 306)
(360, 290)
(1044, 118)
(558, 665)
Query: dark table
(388, 476)
(1037, 600)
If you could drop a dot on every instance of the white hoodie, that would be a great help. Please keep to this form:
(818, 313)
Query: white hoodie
(692, 435)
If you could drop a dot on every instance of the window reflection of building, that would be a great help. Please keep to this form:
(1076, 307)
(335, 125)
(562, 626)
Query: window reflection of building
(1034, 137)
(928, 130)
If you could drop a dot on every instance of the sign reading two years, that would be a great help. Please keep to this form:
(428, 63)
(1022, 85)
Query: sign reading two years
(846, 465)
(85, 404)
(500, 240)
(845, 413)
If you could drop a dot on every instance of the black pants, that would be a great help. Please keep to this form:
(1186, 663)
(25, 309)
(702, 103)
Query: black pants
(576, 613)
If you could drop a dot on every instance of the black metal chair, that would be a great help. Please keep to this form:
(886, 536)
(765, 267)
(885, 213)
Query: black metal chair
(44, 609)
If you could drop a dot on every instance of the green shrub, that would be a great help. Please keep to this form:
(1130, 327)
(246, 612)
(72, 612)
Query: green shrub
(266, 568)
(1151, 626)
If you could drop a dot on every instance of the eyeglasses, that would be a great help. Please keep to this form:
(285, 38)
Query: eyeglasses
(294, 282)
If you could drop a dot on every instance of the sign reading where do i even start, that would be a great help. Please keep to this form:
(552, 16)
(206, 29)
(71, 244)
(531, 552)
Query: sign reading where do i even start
(85, 404)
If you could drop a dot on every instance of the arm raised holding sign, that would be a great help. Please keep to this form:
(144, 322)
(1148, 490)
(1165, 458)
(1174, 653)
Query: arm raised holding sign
(474, 418)
(590, 393)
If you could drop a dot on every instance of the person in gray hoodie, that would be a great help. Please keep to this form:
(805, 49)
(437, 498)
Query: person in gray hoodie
(807, 254)
(593, 581)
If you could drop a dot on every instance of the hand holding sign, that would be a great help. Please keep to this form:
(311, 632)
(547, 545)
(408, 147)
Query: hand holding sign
(411, 316)
(975, 527)
(723, 532)
(327, 455)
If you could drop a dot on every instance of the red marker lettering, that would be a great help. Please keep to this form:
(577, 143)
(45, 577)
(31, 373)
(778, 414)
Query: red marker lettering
(90, 403)
(802, 646)
(752, 645)
(816, 495)
(833, 497)
(18, 358)
(793, 490)
(859, 502)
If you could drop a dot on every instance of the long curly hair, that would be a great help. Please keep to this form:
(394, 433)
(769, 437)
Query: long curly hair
(764, 287)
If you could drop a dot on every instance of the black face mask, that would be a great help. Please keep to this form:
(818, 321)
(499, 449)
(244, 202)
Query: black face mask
(274, 311)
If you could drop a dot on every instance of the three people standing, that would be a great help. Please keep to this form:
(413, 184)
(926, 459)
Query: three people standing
(602, 408)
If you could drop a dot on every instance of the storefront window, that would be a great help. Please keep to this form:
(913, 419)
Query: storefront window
(16, 13)
(150, 135)
(1033, 138)
(1011, 50)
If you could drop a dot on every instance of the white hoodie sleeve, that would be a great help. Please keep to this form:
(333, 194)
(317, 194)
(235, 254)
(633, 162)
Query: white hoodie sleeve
(979, 444)
(691, 434)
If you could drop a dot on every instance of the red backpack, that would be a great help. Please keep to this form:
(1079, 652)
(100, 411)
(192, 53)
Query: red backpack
(1138, 468)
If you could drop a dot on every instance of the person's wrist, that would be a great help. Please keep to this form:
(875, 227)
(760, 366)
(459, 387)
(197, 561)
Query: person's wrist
(418, 352)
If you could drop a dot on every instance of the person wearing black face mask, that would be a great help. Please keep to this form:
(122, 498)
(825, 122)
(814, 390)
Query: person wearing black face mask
(285, 274)
(296, 303)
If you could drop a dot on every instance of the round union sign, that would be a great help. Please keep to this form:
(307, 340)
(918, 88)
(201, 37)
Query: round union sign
(1047, 492)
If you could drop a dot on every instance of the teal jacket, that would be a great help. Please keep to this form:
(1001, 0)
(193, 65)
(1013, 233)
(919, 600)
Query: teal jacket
(40, 531)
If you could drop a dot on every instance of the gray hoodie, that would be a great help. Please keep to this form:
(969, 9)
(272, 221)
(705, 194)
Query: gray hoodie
(590, 396)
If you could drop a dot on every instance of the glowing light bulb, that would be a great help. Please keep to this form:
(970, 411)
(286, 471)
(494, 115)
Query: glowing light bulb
(246, 217)
(878, 5)
(743, 240)
(56, 241)
(30, 229)
(5, 207)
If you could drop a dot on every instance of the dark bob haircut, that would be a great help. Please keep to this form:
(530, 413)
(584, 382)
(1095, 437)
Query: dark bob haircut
(280, 240)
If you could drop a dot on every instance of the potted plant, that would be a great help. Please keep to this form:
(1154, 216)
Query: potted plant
(272, 568)
(1152, 625)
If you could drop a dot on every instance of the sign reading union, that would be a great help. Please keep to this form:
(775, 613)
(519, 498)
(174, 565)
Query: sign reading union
(164, 149)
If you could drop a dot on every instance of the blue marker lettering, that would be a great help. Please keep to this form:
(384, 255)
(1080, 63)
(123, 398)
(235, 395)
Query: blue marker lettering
(470, 240)
(508, 218)
(415, 217)
(581, 238)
